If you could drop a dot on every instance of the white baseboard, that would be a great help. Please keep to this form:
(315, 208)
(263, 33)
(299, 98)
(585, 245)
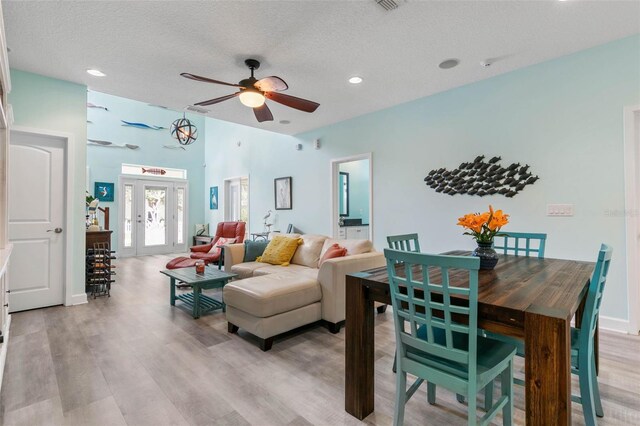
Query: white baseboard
(613, 324)
(3, 348)
(78, 299)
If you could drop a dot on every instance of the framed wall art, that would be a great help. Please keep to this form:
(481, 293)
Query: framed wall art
(282, 192)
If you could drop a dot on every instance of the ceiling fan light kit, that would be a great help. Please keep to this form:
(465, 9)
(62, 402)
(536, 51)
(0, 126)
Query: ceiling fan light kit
(253, 93)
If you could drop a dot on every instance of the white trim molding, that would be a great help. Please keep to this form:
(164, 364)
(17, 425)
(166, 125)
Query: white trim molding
(632, 212)
(613, 324)
(79, 299)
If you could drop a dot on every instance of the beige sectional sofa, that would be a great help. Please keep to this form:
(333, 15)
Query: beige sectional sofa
(267, 300)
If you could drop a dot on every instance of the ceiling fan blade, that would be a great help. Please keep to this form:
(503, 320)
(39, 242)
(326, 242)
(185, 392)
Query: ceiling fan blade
(292, 101)
(217, 100)
(207, 80)
(271, 84)
(263, 113)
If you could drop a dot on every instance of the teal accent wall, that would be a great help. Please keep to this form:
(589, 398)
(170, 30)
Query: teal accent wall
(104, 164)
(358, 189)
(54, 105)
(563, 117)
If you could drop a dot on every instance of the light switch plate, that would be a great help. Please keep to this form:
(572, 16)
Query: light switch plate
(564, 210)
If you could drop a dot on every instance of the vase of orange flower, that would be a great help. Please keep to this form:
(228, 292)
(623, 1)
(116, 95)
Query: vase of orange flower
(483, 227)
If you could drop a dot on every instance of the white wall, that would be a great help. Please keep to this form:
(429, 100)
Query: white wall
(562, 117)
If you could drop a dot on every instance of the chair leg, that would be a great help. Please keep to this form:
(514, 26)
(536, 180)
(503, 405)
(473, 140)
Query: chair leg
(488, 396)
(401, 398)
(506, 387)
(596, 389)
(460, 398)
(472, 417)
(395, 363)
(381, 309)
(232, 328)
(585, 377)
(431, 393)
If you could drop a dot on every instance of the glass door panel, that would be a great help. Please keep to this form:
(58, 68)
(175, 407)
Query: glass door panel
(155, 214)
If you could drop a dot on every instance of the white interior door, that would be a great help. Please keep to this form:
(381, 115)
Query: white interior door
(37, 216)
(153, 216)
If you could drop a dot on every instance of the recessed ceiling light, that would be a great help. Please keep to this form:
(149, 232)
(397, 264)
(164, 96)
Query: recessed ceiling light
(285, 122)
(355, 80)
(449, 63)
(95, 72)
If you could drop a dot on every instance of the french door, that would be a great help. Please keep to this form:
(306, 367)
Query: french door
(153, 216)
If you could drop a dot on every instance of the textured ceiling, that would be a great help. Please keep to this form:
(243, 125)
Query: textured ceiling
(315, 46)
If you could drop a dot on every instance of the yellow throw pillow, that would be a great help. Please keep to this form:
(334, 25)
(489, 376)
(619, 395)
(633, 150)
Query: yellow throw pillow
(280, 250)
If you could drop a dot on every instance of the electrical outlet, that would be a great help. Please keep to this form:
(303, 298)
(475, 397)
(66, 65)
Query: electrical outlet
(564, 210)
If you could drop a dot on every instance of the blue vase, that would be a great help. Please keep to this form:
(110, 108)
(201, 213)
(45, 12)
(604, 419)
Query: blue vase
(488, 256)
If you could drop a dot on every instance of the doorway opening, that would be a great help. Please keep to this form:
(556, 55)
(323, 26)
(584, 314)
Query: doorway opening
(352, 197)
(236, 200)
(153, 216)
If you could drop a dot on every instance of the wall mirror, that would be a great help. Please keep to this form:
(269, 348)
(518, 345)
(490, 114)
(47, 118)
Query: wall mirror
(343, 201)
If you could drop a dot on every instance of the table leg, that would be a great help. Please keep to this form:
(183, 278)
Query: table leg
(547, 370)
(196, 301)
(359, 350)
(172, 292)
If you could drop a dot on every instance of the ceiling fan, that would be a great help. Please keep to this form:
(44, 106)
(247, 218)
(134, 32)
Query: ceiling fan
(253, 92)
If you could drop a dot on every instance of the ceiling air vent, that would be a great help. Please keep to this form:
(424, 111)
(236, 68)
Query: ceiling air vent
(197, 109)
(387, 4)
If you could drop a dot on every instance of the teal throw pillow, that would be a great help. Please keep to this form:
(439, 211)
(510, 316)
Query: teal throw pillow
(253, 249)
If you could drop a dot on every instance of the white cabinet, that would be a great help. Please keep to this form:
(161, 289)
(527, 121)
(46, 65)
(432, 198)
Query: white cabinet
(357, 232)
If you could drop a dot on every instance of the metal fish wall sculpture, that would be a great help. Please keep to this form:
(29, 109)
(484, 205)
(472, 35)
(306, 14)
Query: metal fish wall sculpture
(154, 171)
(90, 105)
(481, 178)
(141, 125)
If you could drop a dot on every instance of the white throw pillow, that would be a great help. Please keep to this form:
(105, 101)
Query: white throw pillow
(308, 253)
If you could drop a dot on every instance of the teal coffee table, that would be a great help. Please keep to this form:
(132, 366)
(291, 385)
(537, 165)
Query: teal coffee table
(198, 302)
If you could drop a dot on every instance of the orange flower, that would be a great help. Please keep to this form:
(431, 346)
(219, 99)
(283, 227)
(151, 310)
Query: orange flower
(498, 220)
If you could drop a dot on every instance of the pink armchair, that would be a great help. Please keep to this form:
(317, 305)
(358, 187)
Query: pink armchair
(225, 229)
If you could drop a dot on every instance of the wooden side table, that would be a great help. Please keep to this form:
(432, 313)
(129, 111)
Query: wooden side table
(199, 240)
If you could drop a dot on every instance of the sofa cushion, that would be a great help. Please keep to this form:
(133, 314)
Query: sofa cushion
(308, 253)
(247, 269)
(277, 269)
(253, 249)
(352, 246)
(280, 250)
(269, 295)
(332, 252)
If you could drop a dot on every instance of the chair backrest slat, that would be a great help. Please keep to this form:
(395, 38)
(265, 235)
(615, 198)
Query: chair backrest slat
(442, 318)
(511, 244)
(405, 242)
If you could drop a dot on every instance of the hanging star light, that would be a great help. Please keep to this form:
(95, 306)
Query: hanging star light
(184, 131)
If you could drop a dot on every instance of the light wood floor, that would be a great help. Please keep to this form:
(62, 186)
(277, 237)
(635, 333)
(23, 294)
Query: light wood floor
(132, 359)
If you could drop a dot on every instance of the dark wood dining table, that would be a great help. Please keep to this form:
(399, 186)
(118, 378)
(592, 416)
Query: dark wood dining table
(526, 297)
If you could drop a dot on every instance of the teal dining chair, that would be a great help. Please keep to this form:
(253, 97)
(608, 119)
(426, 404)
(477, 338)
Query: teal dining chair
(520, 243)
(405, 242)
(582, 344)
(442, 345)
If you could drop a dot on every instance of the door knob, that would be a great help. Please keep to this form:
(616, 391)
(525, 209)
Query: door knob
(57, 230)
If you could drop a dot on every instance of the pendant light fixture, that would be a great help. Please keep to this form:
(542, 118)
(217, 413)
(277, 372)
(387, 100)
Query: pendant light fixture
(184, 131)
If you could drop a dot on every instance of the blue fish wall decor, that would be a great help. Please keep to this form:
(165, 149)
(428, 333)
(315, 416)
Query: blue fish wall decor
(142, 125)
